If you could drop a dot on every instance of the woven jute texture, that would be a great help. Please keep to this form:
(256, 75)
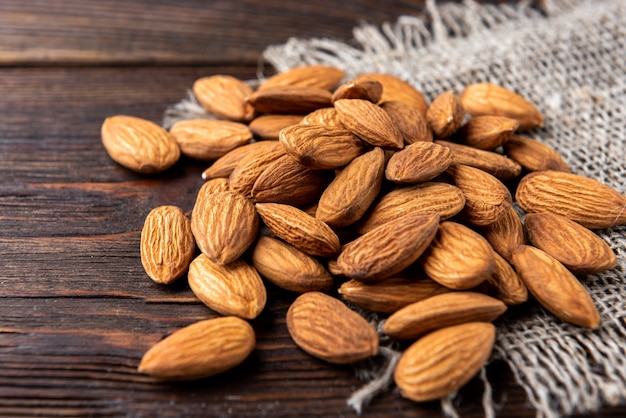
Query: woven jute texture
(569, 58)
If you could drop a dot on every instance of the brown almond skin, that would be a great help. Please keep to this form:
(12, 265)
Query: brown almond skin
(391, 294)
(555, 287)
(417, 163)
(389, 248)
(321, 147)
(445, 115)
(581, 199)
(267, 127)
(224, 166)
(289, 99)
(443, 361)
(248, 169)
(575, 246)
(353, 190)
(394, 88)
(445, 199)
(458, 257)
(167, 244)
(327, 329)
(410, 121)
(206, 140)
(139, 144)
(200, 350)
(487, 132)
(440, 311)
(486, 197)
(491, 99)
(289, 268)
(320, 76)
(232, 289)
(225, 97)
(369, 122)
(300, 229)
(497, 165)
(224, 225)
(287, 181)
(506, 234)
(504, 283)
(534, 155)
(360, 88)
(326, 116)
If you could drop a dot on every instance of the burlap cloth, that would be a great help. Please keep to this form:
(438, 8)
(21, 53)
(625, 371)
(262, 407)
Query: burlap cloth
(569, 58)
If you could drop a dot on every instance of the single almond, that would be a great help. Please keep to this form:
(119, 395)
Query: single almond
(225, 97)
(248, 169)
(445, 114)
(360, 88)
(491, 99)
(497, 165)
(327, 329)
(321, 147)
(391, 294)
(267, 127)
(200, 350)
(534, 155)
(389, 248)
(394, 88)
(139, 144)
(440, 311)
(289, 268)
(504, 283)
(578, 198)
(410, 121)
(232, 289)
(326, 116)
(505, 234)
(167, 245)
(353, 190)
(458, 257)
(442, 198)
(418, 162)
(289, 99)
(487, 132)
(224, 166)
(224, 225)
(555, 287)
(320, 76)
(205, 139)
(443, 361)
(300, 229)
(287, 181)
(575, 246)
(217, 184)
(486, 197)
(369, 122)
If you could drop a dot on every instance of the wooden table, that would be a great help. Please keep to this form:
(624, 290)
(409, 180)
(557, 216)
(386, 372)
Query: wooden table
(77, 311)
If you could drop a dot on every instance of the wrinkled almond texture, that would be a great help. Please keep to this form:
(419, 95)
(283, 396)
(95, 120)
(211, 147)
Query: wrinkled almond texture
(487, 132)
(418, 162)
(534, 155)
(225, 97)
(505, 234)
(497, 165)
(248, 169)
(360, 88)
(410, 121)
(505, 284)
(445, 114)
(289, 99)
(224, 166)
(205, 139)
(369, 122)
(395, 88)
(320, 76)
(268, 127)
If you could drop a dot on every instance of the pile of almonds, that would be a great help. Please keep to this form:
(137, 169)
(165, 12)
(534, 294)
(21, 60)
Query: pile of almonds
(365, 191)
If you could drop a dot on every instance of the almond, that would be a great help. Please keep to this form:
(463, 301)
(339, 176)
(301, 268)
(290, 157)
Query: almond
(326, 116)
(327, 329)
(319, 76)
(534, 155)
(267, 127)
(224, 225)
(139, 144)
(353, 190)
(248, 169)
(369, 122)
(167, 244)
(505, 234)
(418, 162)
(205, 139)
(232, 289)
(299, 229)
(575, 246)
(505, 284)
(575, 197)
(410, 121)
(389, 248)
(394, 88)
(442, 311)
(554, 287)
(360, 88)
(443, 361)
(200, 350)
(491, 99)
(458, 257)
(321, 147)
(445, 114)
(487, 132)
(218, 184)
(289, 99)
(225, 165)
(225, 97)
(289, 268)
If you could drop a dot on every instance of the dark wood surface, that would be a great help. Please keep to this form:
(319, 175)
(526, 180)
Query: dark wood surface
(77, 311)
